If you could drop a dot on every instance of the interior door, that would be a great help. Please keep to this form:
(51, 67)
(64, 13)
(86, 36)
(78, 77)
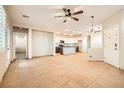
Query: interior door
(111, 45)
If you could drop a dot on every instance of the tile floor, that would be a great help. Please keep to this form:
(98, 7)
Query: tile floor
(63, 71)
(21, 55)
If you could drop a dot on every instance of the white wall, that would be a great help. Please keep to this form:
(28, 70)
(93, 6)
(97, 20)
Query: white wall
(42, 43)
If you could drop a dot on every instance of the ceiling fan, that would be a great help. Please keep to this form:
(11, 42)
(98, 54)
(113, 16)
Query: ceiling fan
(68, 14)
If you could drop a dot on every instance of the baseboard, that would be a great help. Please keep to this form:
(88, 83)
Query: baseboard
(113, 65)
(95, 60)
(42, 56)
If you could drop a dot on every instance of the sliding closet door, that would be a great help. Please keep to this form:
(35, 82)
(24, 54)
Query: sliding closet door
(42, 43)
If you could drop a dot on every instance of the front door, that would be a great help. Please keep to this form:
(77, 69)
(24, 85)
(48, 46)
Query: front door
(111, 45)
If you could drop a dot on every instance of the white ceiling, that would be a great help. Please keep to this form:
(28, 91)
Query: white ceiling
(43, 16)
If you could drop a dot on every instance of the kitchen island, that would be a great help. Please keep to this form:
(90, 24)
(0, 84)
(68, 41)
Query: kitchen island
(68, 50)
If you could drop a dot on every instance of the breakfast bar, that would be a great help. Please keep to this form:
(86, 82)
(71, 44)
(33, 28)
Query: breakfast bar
(69, 50)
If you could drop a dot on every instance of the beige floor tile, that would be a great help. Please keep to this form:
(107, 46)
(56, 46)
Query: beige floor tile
(66, 71)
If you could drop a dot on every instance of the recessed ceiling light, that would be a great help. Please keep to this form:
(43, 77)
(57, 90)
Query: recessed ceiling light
(25, 16)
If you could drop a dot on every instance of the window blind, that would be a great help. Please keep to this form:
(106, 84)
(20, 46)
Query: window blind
(2, 27)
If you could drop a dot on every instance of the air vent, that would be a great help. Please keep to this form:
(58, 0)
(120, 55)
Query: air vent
(25, 16)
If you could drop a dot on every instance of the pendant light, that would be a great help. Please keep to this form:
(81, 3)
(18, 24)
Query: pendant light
(92, 26)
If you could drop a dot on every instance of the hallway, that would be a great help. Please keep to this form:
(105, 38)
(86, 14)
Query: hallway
(62, 71)
(21, 55)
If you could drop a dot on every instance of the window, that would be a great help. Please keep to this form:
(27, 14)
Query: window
(2, 27)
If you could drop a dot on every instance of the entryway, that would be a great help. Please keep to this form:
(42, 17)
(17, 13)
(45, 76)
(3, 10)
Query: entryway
(20, 42)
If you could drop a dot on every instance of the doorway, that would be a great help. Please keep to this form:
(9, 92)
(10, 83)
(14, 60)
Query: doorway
(21, 42)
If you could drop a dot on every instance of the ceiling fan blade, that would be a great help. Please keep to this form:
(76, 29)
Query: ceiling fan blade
(59, 16)
(76, 19)
(79, 12)
(64, 9)
(64, 21)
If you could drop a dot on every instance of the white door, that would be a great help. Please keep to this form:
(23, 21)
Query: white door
(111, 45)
